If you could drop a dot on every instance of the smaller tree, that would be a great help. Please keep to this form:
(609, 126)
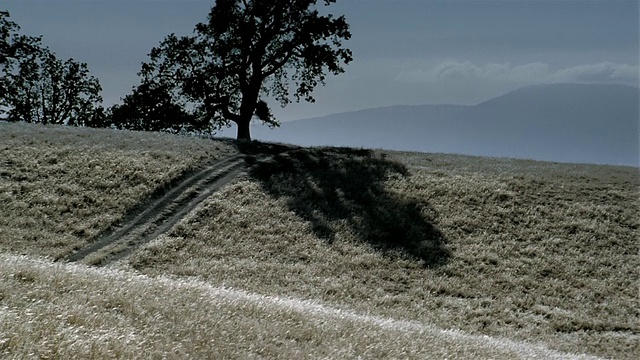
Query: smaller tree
(151, 107)
(35, 86)
(14, 50)
(99, 118)
(46, 90)
(8, 37)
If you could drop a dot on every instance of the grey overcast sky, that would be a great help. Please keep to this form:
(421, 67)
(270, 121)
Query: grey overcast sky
(405, 51)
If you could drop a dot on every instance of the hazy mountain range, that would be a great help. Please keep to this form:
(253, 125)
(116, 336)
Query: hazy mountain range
(586, 123)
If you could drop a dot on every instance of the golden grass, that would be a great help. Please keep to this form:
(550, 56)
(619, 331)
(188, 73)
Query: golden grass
(62, 311)
(60, 187)
(530, 251)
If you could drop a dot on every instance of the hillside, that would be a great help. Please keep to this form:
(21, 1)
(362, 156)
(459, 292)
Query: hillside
(587, 123)
(315, 252)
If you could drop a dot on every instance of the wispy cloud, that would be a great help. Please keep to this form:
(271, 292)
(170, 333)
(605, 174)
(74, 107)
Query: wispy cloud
(603, 72)
(532, 73)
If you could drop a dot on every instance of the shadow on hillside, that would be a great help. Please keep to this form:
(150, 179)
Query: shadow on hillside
(329, 187)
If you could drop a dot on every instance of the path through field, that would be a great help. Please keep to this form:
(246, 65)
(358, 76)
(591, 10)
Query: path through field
(245, 324)
(327, 313)
(160, 213)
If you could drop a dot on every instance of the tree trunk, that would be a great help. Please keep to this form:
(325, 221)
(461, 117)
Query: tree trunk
(244, 132)
(250, 94)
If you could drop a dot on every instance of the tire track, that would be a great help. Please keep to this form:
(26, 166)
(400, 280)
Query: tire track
(160, 213)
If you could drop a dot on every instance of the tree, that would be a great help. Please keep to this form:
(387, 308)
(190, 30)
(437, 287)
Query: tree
(99, 118)
(37, 87)
(248, 49)
(152, 108)
(8, 31)
(14, 48)
(46, 90)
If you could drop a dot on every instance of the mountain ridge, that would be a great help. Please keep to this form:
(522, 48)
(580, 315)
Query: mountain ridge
(575, 123)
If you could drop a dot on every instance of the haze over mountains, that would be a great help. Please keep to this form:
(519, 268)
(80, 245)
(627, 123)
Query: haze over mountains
(581, 123)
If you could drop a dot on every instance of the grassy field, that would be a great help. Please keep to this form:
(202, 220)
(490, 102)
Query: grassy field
(60, 187)
(327, 253)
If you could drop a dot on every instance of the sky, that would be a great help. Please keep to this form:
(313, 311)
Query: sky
(406, 52)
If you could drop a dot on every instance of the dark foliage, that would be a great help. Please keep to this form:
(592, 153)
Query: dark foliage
(35, 86)
(13, 48)
(99, 119)
(152, 108)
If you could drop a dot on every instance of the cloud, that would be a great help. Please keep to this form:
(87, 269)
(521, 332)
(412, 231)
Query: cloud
(532, 73)
(603, 72)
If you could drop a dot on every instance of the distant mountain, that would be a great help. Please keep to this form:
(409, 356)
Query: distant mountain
(585, 123)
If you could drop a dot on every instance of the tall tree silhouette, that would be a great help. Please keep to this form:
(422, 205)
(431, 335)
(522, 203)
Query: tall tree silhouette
(247, 49)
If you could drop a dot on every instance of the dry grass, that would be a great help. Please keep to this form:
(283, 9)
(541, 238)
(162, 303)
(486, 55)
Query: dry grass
(60, 187)
(531, 251)
(56, 311)
(537, 252)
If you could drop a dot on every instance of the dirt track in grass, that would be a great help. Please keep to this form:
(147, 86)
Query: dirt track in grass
(157, 215)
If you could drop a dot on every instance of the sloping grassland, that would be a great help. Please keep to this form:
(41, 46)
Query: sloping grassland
(60, 187)
(542, 254)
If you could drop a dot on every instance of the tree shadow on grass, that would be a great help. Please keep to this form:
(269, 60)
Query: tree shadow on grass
(330, 186)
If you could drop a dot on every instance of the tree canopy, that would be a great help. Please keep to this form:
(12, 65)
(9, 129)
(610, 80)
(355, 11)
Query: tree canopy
(35, 86)
(246, 50)
(13, 48)
(151, 108)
